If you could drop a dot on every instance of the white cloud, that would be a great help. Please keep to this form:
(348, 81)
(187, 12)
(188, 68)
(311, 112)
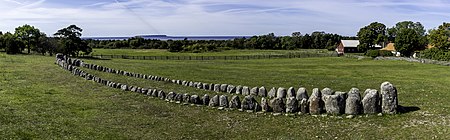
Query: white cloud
(231, 17)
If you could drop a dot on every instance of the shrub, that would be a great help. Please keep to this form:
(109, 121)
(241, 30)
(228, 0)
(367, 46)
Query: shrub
(376, 53)
(372, 53)
(435, 54)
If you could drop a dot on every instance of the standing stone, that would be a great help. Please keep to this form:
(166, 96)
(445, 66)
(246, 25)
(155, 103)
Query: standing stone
(291, 105)
(205, 86)
(262, 92)
(211, 87)
(278, 105)
(223, 88)
(315, 102)
(205, 99)
(195, 84)
(223, 101)
(334, 104)
(389, 101)
(245, 91)
(235, 102)
(302, 94)
(155, 93)
(353, 103)
(171, 96)
(291, 92)
(179, 98)
(133, 89)
(186, 99)
(124, 88)
(281, 93)
(149, 92)
(191, 84)
(195, 99)
(214, 101)
(239, 89)
(257, 107)
(217, 88)
(325, 92)
(254, 91)
(265, 105)
(143, 90)
(161, 95)
(371, 102)
(200, 85)
(304, 105)
(231, 89)
(249, 103)
(272, 93)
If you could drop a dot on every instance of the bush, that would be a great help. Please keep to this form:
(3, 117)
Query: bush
(376, 53)
(435, 54)
(385, 53)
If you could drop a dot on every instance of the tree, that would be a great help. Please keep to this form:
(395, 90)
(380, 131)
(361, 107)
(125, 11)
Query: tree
(11, 43)
(296, 34)
(371, 35)
(406, 41)
(175, 46)
(70, 41)
(1, 40)
(28, 35)
(417, 26)
(418, 37)
(440, 37)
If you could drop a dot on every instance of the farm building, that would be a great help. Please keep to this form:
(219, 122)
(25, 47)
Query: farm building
(390, 47)
(350, 46)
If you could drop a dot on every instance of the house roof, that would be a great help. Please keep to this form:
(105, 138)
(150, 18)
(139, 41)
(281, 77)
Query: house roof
(353, 44)
(350, 43)
(389, 47)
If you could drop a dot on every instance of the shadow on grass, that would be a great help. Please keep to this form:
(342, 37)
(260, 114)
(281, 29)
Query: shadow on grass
(92, 58)
(407, 109)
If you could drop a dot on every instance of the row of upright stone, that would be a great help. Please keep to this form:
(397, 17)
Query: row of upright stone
(276, 100)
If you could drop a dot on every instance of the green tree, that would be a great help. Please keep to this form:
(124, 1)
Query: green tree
(175, 46)
(11, 43)
(296, 34)
(421, 40)
(371, 35)
(416, 26)
(407, 40)
(1, 41)
(306, 42)
(440, 37)
(29, 35)
(70, 41)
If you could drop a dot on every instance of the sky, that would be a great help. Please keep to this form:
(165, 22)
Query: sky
(217, 17)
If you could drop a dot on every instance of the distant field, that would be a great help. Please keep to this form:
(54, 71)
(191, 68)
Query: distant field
(156, 52)
(40, 100)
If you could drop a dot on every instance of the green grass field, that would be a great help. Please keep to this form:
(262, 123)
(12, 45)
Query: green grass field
(156, 52)
(40, 100)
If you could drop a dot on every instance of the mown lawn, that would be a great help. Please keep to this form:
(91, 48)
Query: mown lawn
(40, 100)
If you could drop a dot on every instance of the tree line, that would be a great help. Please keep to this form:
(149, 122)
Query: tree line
(408, 37)
(67, 41)
(317, 40)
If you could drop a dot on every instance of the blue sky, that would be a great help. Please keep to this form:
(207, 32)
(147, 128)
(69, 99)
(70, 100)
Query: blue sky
(217, 17)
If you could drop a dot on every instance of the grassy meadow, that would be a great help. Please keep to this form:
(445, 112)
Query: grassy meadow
(42, 101)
